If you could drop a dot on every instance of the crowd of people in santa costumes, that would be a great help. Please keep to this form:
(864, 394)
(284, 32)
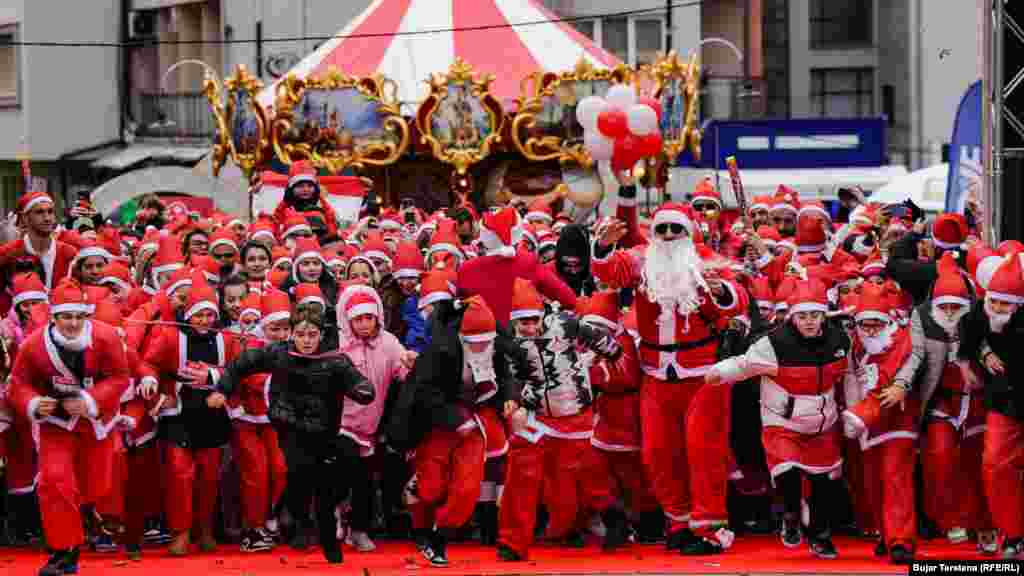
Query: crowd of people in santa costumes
(510, 375)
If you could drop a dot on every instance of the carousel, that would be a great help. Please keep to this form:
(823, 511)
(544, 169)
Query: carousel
(481, 110)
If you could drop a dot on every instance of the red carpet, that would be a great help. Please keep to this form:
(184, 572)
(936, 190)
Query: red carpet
(750, 555)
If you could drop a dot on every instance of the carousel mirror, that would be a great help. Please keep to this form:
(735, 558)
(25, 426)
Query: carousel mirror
(460, 120)
(337, 122)
(677, 90)
(245, 120)
(546, 127)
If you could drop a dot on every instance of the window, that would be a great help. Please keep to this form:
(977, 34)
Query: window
(840, 23)
(843, 92)
(10, 78)
(635, 41)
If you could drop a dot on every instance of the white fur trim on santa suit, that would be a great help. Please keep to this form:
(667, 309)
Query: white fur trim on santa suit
(167, 268)
(406, 273)
(484, 337)
(433, 298)
(539, 216)
(179, 284)
(872, 315)
(263, 233)
(449, 248)
(1005, 297)
(945, 245)
(672, 217)
(808, 307)
(29, 296)
(494, 245)
(223, 242)
(951, 300)
(199, 306)
(37, 201)
(71, 307)
(274, 317)
(868, 268)
(362, 310)
(298, 178)
(816, 209)
(526, 313)
(313, 299)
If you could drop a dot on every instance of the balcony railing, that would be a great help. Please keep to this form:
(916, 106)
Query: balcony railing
(180, 115)
(733, 98)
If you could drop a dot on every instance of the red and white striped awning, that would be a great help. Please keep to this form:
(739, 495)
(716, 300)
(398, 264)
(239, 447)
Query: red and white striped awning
(366, 46)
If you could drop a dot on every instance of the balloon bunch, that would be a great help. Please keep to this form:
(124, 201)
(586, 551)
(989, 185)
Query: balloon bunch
(620, 127)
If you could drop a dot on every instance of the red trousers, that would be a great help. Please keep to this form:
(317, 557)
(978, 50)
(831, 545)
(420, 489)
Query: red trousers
(73, 467)
(1003, 470)
(855, 472)
(889, 486)
(954, 494)
(21, 457)
(625, 472)
(264, 472)
(685, 447)
(143, 488)
(449, 468)
(554, 466)
(192, 477)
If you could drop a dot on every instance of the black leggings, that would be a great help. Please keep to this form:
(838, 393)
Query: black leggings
(825, 495)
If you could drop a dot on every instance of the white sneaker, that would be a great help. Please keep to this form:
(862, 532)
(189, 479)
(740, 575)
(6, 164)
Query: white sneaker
(597, 527)
(988, 542)
(360, 541)
(957, 535)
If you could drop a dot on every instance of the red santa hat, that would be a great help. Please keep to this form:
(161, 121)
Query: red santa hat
(295, 223)
(602, 309)
(117, 273)
(309, 293)
(809, 296)
(863, 215)
(168, 256)
(1007, 283)
(31, 200)
(261, 231)
(477, 324)
(445, 239)
(815, 208)
(278, 255)
(810, 233)
(149, 244)
(526, 301)
(873, 267)
(874, 304)
(306, 248)
(408, 261)
(547, 238)
(223, 237)
(274, 306)
(1007, 246)
(540, 209)
(91, 248)
(674, 213)
(109, 313)
(950, 287)
(389, 222)
(276, 279)
(376, 247)
(28, 287)
(977, 253)
(301, 171)
(705, 192)
(783, 292)
(358, 300)
(209, 267)
(180, 278)
(759, 203)
(762, 293)
(434, 287)
(786, 199)
(201, 297)
(252, 306)
(949, 230)
(499, 233)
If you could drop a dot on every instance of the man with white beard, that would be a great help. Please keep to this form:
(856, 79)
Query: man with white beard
(679, 308)
(991, 338)
(953, 410)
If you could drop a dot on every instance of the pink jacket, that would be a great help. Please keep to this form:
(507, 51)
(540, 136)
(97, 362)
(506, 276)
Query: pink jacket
(380, 361)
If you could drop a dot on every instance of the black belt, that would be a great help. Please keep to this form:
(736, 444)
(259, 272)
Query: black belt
(679, 346)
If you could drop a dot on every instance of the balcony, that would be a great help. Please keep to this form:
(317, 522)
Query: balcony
(733, 98)
(175, 115)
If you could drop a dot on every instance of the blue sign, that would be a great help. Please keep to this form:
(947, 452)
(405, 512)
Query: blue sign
(965, 162)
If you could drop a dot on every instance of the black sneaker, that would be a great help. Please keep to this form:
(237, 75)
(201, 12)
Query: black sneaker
(677, 540)
(256, 541)
(299, 539)
(425, 544)
(824, 548)
(616, 527)
(1013, 549)
(60, 563)
(507, 554)
(574, 540)
(438, 548)
(790, 533)
(880, 550)
(700, 546)
(901, 555)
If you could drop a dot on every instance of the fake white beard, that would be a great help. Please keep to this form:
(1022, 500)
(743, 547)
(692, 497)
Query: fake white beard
(949, 324)
(81, 342)
(879, 343)
(673, 276)
(481, 364)
(996, 322)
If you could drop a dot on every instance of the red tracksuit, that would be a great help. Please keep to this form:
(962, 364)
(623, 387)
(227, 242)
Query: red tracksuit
(74, 459)
(264, 472)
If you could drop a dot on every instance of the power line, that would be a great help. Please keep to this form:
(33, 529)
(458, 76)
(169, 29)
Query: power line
(482, 27)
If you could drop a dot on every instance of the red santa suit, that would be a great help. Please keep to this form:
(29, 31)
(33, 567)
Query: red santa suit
(74, 459)
(887, 435)
(683, 436)
(55, 262)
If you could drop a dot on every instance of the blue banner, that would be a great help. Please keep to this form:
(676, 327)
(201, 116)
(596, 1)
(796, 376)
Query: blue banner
(965, 162)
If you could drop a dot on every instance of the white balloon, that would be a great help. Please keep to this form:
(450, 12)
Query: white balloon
(587, 111)
(600, 147)
(641, 119)
(621, 96)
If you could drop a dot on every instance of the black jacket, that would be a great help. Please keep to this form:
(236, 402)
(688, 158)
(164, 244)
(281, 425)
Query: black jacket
(1004, 393)
(914, 276)
(305, 393)
(573, 240)
(432, 395)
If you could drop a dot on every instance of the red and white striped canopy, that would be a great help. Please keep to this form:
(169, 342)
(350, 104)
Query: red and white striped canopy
(366, 46)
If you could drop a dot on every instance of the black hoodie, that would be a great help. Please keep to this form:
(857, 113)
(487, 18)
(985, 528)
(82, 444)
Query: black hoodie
(574, 241)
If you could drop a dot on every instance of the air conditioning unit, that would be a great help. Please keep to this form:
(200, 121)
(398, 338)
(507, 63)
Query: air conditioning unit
(142, 25)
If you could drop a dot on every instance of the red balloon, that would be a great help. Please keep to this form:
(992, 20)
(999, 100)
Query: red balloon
(653, 103)
(627, 152)
(650, 145)
(612, 123)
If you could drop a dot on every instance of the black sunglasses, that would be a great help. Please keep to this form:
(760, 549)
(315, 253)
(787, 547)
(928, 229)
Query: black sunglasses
(665, 227)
